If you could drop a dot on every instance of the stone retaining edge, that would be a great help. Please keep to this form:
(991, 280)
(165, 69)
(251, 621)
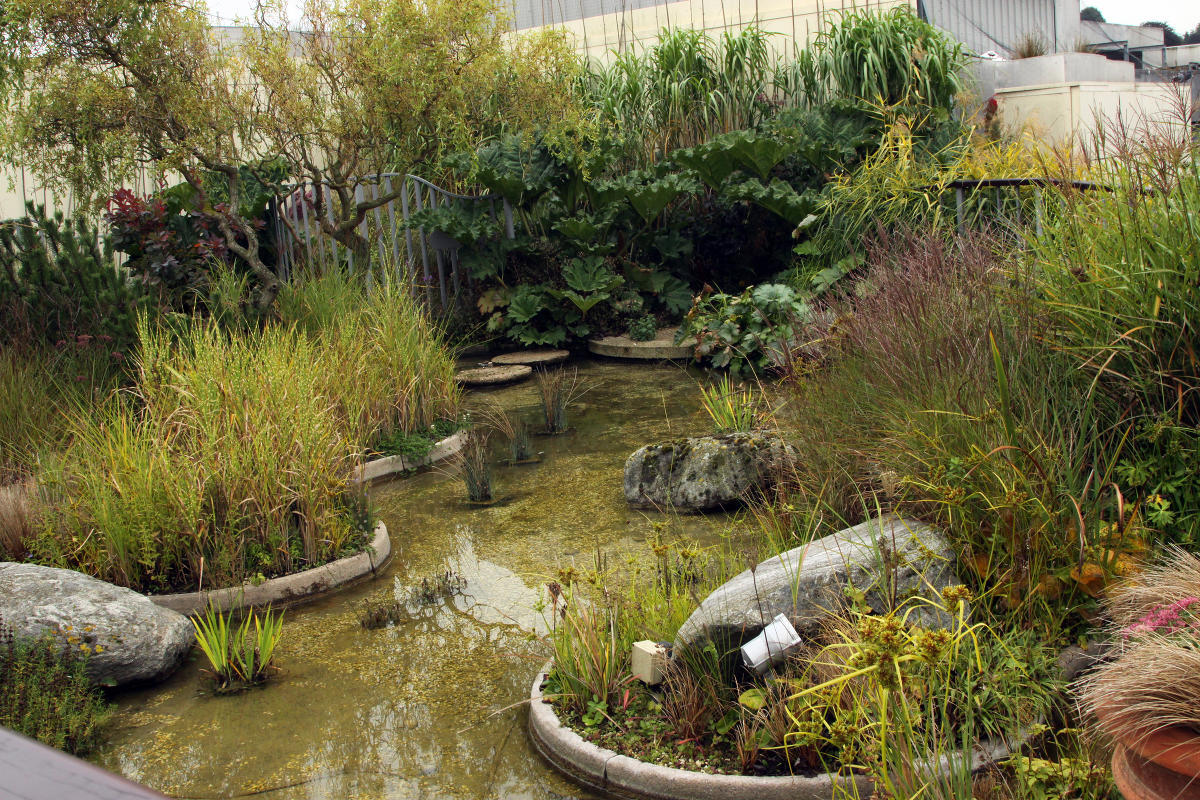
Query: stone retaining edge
(625, 777)
(288, 590)
(302, 587)
(391, 465)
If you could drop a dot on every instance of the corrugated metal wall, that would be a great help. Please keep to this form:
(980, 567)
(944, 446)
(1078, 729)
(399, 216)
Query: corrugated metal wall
(999, 25)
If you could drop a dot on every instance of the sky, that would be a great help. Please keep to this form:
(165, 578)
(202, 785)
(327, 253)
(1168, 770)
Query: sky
(1182, 15)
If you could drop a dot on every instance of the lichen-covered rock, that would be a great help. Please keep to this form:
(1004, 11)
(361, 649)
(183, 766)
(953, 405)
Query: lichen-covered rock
(130, 639)
(885, 558)
(703, 473)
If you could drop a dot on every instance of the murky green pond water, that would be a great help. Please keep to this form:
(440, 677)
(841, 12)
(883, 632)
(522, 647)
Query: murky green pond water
(429, 708)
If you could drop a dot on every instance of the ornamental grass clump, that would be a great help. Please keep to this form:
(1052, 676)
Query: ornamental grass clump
(227, 461)
(558, 389)
(473, 463)
(731, 408)
(1154, 681)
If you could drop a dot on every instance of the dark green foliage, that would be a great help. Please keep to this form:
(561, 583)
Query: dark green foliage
(750, 332)
(643, 329)
(45, 693)
(58, 281)
(415, 446)
(1091, 14)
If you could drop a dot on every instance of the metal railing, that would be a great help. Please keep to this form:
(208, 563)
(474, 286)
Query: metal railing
(430, 259)
(964, 190)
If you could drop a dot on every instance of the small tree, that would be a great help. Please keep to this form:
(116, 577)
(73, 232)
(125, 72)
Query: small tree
(98, 91)
(368, 86)
(1091, 14)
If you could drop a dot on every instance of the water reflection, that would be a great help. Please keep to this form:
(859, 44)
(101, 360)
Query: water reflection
(430, 707)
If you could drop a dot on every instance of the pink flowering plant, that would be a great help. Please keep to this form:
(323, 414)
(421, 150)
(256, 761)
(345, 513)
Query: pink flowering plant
(1182, 615)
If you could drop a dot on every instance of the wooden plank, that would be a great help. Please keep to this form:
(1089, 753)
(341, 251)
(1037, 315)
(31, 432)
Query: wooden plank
(30, 770)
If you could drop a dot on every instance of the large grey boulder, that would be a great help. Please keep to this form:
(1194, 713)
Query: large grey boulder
(702, 473)
(131, 640)
(808, 583)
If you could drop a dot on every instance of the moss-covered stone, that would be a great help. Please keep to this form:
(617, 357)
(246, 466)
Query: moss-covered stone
(704, 473)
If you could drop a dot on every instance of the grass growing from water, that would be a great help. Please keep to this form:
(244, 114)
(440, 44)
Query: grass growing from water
(558, 389)
(240, 654)
(473, 463)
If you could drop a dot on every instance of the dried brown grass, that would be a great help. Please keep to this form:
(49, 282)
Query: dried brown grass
(1153, 683)
(17, 510)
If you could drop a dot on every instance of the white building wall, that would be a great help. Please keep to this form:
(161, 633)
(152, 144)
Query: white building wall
(1000, 25)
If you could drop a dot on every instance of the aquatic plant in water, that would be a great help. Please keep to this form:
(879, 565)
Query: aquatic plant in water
(443, 585)
(240, 654)
(474, 467)
(558, 389)
(730, 407)
(516, 430)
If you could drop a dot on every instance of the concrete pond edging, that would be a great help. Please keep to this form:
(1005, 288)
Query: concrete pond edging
(620, 776)
(288, 590)
(661, 348)
(302, 587)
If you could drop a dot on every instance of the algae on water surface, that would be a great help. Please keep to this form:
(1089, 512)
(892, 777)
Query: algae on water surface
(430, 707)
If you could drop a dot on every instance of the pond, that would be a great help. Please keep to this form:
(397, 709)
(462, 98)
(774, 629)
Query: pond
(431, 707)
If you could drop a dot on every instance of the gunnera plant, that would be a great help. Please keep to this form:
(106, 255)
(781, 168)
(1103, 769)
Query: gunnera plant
(474, 467)
(558, 389)
(45, 693)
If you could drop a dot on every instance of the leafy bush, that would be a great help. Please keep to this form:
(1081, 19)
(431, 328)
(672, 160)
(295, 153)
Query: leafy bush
(169, 249)
(643, 329)
(58, 281)
(45, 693)
(751, 332)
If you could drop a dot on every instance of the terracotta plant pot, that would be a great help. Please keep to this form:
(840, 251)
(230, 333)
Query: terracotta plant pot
(1162, 766)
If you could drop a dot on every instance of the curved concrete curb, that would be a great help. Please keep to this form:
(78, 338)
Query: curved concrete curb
(622, 776)
(302, 587)
(659, 348)
(391, 465)
(625, 777)
(288, 590)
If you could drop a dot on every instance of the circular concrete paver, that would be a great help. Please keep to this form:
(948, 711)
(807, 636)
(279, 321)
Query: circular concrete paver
(494, 376)
(532, 358)
(661, 347)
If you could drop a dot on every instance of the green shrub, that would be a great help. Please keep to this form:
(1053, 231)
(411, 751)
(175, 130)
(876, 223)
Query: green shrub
(643, 329)
(748, 333)
(45, 694)
(58, 281)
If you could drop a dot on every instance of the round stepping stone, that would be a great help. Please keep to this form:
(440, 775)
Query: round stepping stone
(494, 376)
(534, 358)
(662, 346)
